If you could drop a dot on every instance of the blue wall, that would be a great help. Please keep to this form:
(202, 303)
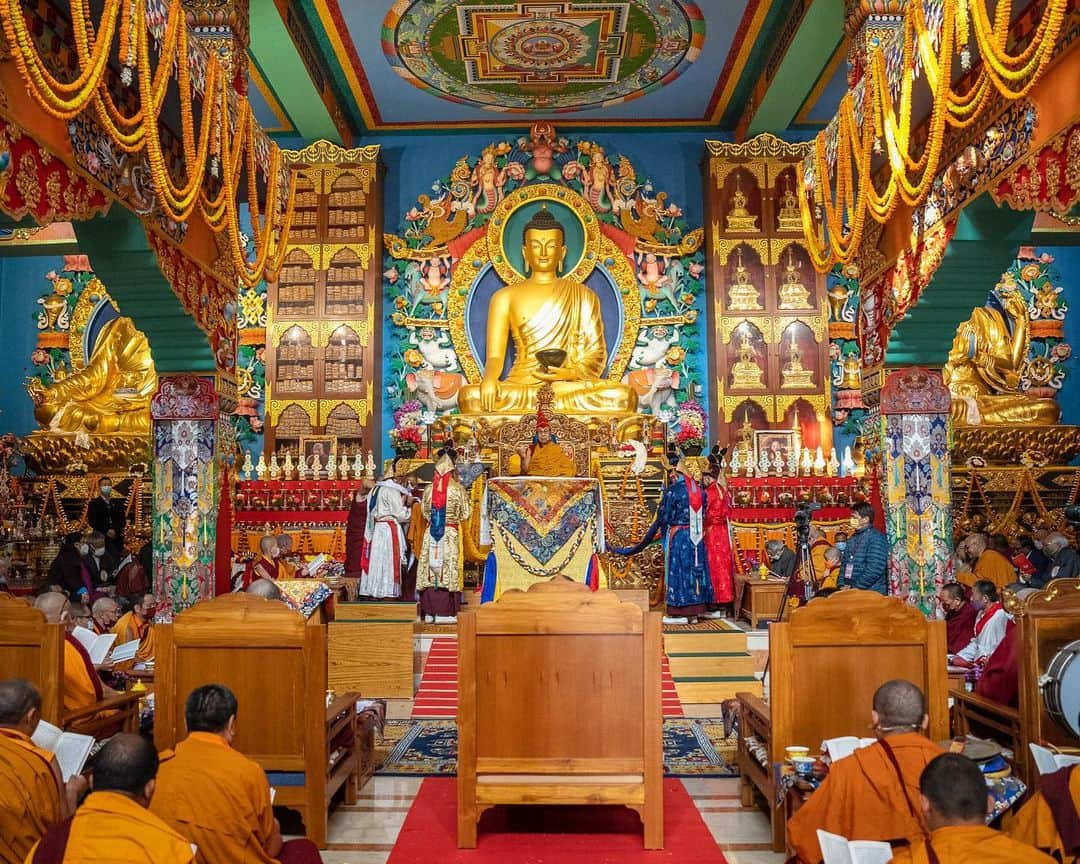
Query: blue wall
(1067, 264)
(22, 281)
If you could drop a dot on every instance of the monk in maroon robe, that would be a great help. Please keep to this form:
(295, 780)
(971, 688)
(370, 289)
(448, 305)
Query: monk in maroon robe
(999, 680)
(355, 548)
(959, 616)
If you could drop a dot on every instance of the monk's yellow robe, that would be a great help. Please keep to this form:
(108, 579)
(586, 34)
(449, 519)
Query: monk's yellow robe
(996, 568)
(1034, 823)
(548, 460)
(862, 798)
(82, 686)
(113, 828)
(217, 798)
(265, 568)
(128, 628)
(970, 844)
(416, 529)
(31, 796)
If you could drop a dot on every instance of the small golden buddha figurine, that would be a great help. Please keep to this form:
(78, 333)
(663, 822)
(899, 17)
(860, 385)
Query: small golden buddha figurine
(793, 294)
(740, 219)
(746, 374)
(790, 217)
(546, 313)
(986, 364)
(742, 295)
(111, 395)
(852, 373)
(795, 375)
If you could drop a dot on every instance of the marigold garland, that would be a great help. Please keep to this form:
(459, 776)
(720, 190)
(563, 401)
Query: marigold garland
(846, 191)
(226, 139)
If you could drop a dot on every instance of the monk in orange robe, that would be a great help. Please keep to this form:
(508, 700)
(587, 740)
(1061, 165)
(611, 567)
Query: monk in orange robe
(988, 564)
(872, 794)
(33, 795)
(218, 798)
(138, 624)
(82, 684)
(1051, 819)
(953, 799)
(265, 565)
(545, 457)
(113, 823)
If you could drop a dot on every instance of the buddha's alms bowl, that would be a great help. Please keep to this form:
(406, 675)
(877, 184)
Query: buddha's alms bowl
(551, 357)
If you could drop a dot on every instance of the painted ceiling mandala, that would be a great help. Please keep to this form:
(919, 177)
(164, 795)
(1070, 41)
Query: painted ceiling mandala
(543, 56)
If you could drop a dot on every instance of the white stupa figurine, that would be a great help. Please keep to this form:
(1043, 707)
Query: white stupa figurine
(275, 468)
(331, 466)
(288, 467)
(260, 469)
(316, 467)
(302, 468)
(834, 463)
(247, 468)
(358, 465)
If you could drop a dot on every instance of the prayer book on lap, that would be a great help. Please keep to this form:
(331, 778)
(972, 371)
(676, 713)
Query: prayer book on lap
(97, 646)
(1047, 761)
(841, 748)
(315, 563)
(839, 850)
(71, 749)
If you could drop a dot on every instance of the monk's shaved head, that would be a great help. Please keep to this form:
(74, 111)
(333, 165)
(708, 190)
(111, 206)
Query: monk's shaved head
(955, 790)
(267, 544)
(54, 606)
(264, 588)
(17, 698)
(126, 764)
(899, 704)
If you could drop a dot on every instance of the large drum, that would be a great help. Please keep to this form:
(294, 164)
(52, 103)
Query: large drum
(1061, 688)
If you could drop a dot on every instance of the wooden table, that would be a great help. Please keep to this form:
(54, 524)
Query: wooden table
(761, 599)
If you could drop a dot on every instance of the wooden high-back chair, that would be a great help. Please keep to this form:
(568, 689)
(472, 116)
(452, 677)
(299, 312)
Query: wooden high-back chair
(559, 703)
(274, 661)
(825, 663)
(33, 649)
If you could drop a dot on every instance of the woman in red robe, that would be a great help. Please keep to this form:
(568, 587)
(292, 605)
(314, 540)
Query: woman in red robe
(718, 537)
(355, 548)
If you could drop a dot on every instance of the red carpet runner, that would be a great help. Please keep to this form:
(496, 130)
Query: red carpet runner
(551, 835)
(437, 696)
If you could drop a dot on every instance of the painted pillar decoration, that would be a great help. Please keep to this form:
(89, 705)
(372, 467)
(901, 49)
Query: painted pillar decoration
(915, 438)
(187, 438)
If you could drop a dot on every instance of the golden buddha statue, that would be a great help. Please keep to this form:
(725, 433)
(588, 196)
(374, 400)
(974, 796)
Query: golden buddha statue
(985, 366)
(739, 218)
(742, 295)
(111, 395)
(746, 373)
(794, 375)
(545, 314)
(852, 372)
(793, 294)
(790, 217)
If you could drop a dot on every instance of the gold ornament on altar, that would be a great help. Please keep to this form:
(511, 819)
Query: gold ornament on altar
(794, 375)
(740, 219)
(793, 294)
(852, 373)
(790, 218)
(746, 374)
(545, 312)
(742, 295)
(987, 363)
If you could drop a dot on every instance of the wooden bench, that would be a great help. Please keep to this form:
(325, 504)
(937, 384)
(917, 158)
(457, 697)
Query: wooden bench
(825, 663)
(275, 662)
(559, 703)
(33, 649)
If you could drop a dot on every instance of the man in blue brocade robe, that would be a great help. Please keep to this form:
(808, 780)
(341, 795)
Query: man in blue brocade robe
(679, 524)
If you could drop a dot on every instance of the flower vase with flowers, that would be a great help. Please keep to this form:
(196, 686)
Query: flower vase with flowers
(407, 435)
(690, 438)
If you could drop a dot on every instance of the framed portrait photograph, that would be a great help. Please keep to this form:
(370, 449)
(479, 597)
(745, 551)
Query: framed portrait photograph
(322, 446)
(775, 442)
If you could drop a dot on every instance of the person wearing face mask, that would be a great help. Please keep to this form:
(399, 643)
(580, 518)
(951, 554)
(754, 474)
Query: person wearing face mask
(866, 556)
(1064, 561)
(67, 569)
(106, 514)
(97, 559)
(959, 616)
(138, 624)
(991, 622)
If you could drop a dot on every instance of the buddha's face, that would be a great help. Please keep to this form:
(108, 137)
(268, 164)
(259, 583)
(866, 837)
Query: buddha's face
(544, 250)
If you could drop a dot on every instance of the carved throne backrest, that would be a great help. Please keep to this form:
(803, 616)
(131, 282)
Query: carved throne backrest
(573, 434)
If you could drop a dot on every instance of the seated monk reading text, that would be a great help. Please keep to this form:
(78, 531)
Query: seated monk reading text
(872, 794)
(545, 457)
(113, 824)
(953, 799)
(266, 565)
(138, 624)
(33, 796)
(217, 797)
(545, 312)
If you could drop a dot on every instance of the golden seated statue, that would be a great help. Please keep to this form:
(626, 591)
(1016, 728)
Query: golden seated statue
(546, 313)
(110, 396)
(986, 364)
